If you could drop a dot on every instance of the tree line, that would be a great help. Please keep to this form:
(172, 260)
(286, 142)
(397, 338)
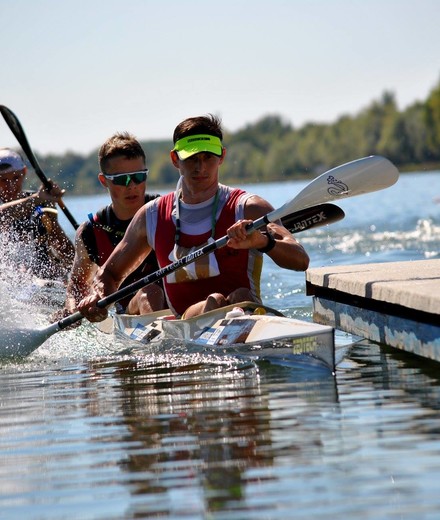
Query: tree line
(273, 150)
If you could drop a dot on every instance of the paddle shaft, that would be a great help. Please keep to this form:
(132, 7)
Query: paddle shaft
(161, 273)
(327, 186)
(316, 216)
(16, 128)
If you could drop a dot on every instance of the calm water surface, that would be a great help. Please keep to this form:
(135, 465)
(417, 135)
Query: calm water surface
(88, 431)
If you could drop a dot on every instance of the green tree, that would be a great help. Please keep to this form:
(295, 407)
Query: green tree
(432, 121)
(244, 163)
(416, 131)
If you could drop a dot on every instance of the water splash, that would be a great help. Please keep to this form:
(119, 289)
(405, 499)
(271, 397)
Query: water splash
(27, 303)
(422, 241)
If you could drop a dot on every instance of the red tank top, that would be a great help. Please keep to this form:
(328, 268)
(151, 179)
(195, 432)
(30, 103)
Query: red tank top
(233, 263)
(104, 244)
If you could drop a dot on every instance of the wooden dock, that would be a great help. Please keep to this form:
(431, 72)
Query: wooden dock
(395, 303)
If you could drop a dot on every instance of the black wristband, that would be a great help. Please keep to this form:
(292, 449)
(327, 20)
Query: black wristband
(270, 245)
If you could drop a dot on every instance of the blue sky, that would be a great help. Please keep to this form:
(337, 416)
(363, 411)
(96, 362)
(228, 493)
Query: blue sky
(74, 72)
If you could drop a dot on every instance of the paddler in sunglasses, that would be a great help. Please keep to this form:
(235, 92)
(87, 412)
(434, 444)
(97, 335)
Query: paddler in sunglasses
(29, 222)
(201, 209)
(124, 174)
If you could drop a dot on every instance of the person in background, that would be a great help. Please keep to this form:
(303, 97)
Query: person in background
(31, 218)
(122, 162)
(199, 211)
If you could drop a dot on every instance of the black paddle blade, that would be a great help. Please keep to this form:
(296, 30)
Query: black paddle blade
(315, 216)
(16, 128)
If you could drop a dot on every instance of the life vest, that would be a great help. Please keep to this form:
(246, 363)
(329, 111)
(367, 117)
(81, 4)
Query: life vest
(106, 234)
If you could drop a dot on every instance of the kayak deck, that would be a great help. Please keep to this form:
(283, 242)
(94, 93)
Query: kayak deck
(246, 328)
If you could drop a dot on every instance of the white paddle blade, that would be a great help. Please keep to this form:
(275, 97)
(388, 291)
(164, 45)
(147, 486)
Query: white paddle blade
(22, 342)
(364, 175)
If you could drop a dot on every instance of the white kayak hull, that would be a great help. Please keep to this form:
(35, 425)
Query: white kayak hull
(257, 331)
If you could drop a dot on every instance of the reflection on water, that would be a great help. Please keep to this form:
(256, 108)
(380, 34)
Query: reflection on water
(224, 438)
(161, 438)
(156, 437)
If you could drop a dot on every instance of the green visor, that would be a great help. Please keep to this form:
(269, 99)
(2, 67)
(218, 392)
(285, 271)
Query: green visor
(193, 144)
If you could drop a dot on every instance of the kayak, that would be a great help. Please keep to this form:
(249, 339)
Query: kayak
(245, 329)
